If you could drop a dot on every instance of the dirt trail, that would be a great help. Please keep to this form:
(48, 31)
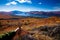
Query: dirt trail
(18, 34)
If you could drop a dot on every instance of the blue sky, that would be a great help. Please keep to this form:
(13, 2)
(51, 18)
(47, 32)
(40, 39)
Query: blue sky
(30, 5)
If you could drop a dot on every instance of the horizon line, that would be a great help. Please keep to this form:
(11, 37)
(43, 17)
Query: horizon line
(29, 11)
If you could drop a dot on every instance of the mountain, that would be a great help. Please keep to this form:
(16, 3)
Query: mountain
(5, 15)
(29, 14)
(52, 13)
(16, 12)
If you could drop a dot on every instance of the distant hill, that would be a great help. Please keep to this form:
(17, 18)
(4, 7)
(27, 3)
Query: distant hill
(16, 12)
(29, 14)
(52, 13)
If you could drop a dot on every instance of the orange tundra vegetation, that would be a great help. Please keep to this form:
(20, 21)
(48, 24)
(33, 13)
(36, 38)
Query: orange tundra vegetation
(27, 24)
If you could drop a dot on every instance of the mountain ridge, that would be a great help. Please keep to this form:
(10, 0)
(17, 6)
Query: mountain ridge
(30, 14)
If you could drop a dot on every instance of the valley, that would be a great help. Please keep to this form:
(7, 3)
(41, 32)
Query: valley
(30, 26)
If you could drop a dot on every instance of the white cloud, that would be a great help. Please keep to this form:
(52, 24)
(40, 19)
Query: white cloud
(40, 3)
(20, 1)
(12, 3)
(7, 4)
(24, 1)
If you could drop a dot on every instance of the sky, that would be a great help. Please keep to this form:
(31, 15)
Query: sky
(30, 5)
